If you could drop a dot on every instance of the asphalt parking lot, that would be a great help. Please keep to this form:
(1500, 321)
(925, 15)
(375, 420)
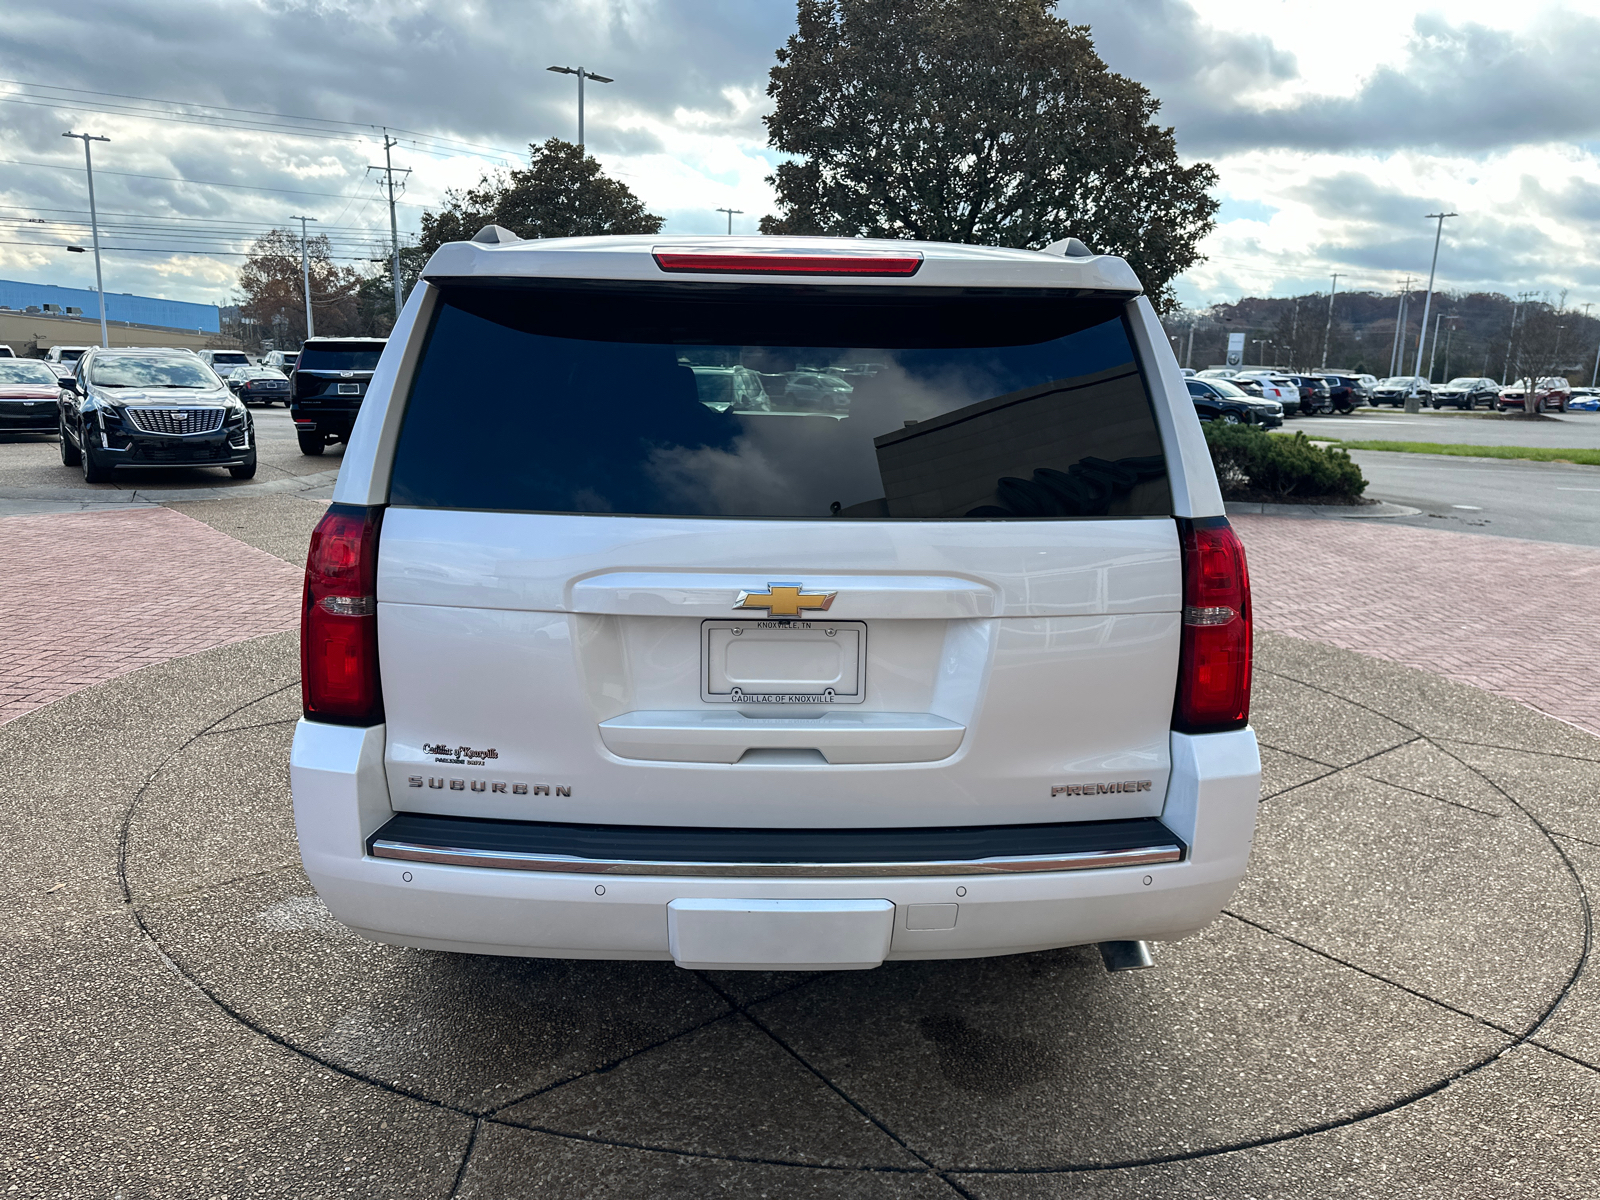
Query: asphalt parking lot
(1479, 428)
(33, 479)
(1399, 1001)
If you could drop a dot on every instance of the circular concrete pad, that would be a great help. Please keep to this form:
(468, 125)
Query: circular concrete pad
(1416, 908)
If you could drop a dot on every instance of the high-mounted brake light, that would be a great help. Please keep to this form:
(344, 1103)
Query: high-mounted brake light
(339, 621)
(732, 260)
(1214, 656)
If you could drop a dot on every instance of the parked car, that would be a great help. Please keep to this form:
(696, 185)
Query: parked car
(1219, 400)
(557, 630)
(6, 351)
(1270, 386)
(330, 378)
(66, 355)
(1345, 392)
(29, 391)
(1397, 389)
(152, 408)
(1584, 400)
(258, 385)
(1467, 392)
(1315, 395)
(1551, 391)
(223, 362)
(281, 360)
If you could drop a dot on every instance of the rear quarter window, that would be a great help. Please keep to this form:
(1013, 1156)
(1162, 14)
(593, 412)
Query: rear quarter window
(776, 401)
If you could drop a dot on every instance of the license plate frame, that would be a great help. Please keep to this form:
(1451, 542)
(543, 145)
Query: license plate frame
(349, 389)
(803, 643)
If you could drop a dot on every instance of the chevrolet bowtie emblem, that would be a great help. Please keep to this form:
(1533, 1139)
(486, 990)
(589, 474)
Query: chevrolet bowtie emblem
(786, 600)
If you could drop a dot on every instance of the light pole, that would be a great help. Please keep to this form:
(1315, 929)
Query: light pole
(1433, 354)
(1397, 352)
(1327, 333)
(1414, 402)
(582, 74)
(94, 229)
(730, 212)
(305, 273)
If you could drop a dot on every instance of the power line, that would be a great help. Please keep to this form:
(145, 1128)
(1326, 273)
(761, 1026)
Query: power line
(248, 187)
(351, 130)
(185, 253)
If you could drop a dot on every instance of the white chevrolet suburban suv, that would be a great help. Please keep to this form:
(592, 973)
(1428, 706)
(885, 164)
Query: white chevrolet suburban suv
(781, 603)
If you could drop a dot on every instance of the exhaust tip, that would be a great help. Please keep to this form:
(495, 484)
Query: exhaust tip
(1126, 956)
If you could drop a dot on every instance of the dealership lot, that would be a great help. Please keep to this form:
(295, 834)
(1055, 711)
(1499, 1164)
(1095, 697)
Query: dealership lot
(1400, 992)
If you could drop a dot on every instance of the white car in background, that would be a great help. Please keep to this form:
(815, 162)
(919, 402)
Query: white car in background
(973, 680)
(1270, 386)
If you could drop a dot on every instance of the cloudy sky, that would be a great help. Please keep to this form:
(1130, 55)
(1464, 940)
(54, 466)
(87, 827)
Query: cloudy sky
(1334, 127)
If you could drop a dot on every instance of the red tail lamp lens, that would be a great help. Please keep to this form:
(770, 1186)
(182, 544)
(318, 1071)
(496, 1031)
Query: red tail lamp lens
(1214, 658)
(339, 621)
(736, 261)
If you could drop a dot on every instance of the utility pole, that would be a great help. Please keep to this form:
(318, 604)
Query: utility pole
(388, 170)
(1327, 333)
(730, 212)
(94, 229)
(1396, 352)
(1414, 403)
(1294, 334)
(1188, 354)
(582, 75)
(305, 273)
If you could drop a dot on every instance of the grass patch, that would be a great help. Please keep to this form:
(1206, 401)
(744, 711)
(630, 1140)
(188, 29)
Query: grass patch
(1588, 458)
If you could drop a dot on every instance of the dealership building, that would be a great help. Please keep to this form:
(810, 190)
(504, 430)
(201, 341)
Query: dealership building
(123, 307)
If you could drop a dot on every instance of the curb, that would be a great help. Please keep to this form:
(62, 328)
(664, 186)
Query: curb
(1364, 512)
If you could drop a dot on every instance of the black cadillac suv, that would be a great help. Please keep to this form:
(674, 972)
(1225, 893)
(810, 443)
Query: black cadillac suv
(152, 408)
(330, 378)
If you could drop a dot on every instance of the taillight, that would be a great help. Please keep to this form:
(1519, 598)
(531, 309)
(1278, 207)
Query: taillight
(1214, 659)
(734, 260)
(339, 619)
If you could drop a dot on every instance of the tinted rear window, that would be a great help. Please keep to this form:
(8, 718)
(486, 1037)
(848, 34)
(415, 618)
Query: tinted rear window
(725, 401)
(340, 356)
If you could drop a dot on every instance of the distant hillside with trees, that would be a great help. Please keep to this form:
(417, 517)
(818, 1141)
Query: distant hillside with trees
(1479, 333)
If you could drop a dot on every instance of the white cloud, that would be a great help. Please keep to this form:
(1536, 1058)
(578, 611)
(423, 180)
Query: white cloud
(1333, 127)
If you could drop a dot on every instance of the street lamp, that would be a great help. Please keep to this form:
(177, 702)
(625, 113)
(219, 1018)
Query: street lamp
(94, 230)
(305, 273)
(582, 74)
(1414, 399)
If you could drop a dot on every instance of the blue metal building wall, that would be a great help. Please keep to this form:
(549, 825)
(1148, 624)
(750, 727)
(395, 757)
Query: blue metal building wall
(140, 310)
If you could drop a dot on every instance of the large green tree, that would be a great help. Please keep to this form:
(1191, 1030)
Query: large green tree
(562, 192)
(984, 121)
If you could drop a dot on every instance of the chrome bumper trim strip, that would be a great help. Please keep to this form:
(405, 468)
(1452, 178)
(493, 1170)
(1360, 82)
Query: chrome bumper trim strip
(517, 861)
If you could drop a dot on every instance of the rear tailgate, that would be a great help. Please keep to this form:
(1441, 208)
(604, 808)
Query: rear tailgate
(1012, 673)
(779, 559)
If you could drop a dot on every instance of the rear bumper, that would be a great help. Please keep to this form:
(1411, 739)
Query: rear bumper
(341, 801)
(315, 418)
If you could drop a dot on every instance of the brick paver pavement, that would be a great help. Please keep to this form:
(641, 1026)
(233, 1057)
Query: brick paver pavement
(1512, 617)
(85, 597)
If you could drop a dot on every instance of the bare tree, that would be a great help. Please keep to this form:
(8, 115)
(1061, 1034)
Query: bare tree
(1537, 352)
